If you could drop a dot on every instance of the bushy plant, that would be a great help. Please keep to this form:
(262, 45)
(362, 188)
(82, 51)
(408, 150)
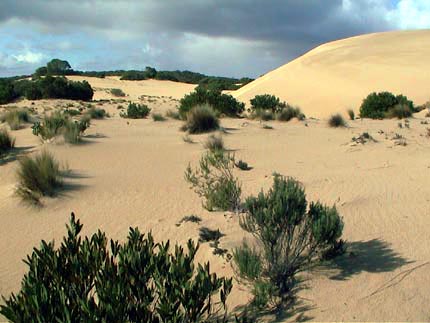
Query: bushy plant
(73, 130)
(336, 120)
(136, 111)
(266, 102)
(214, 143)
(96, 113)
(290, 239)
(399, 111)
(158, 117)
(379, 105)
(7, 91)
(242, 165)
(117, 92)
(264, 115)
(351, 114)
(289, 112)
(221, 103)
(15, 117)
(94, 279)
(201, 119)
(215, 183)
(173, 114)
(6, 142)
(38, 176)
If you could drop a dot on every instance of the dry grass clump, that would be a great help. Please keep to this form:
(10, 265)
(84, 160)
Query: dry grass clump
(173, 114)
(214, 143)
(289, 112)
(117, 92)
(336, 121)
(16, 117)
(6, 142)
(158, 117)
(351, 114)
(200, 119)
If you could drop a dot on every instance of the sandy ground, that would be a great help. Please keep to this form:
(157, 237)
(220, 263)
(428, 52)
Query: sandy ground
(339, 75)
(131, 173)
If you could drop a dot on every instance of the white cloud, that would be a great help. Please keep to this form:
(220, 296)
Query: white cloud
(410, 14)
(29, 57)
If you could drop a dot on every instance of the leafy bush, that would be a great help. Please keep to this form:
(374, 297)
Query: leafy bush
(214, 143)
(117, 92)
(99, 280)
(158, 117)
(379, 105)
(291, 238)
(351, 114)
(7, 92)
(336, 120)
(201, 119)
(288, 112)
(15, 117)
(215, 182)
(38, 176)
(6, 142)
(266, 102)
(136, 111)
(96, 113)
(221, 103)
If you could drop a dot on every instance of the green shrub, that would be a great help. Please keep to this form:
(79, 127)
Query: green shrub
(6, 142)
(73, 130)
(379, 105)
(136, 111)
(288, 112)
(7, 91)
(51, 126)
(201, 119)
(72, 112)
(99, 280)
(267, 102)
(158, 117)
(351, 114)
(96, 113)
(207, 235)
(242, 165)
(117, 92)
(16, 117)
(291, 239)
(336, 120)
(38, 176)
(215, 183)
(214, 143)
(221, 103)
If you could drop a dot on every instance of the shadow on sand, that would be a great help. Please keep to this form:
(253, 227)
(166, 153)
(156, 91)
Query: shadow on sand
(15, 153)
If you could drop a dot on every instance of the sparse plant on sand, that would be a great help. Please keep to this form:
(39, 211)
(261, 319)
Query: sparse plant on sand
(289, 112)
(351, 114)
(242, 165)
(201, 119)
(96, 113)
(6, 142)
(291, 237)
(158, 117)
(336, 121)
(16, 117)
(214, 143)
(38, 176)
(117, 92)
(190, 218)
(136, 111)
(215, 183)
(172, 114)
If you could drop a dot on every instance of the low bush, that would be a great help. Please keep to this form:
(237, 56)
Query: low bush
(38, 176)
(399, 111)
(73, 130)
(173, 114)
(72, 112)
(351, 114)
(16, 117)
(136, 111)
(117, 92)
(201, 119)
(264, 115)
(290, 237)
(289, 112)
(7, 91)
(96, 113)
(214, 143)
(215, 183)
(380, 105)
(6, 142)
(158, 117)
(336, 120)
(242, 165)
(266, 102)
(95, 279)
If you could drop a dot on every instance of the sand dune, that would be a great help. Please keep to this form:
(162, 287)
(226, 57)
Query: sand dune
(337, 76)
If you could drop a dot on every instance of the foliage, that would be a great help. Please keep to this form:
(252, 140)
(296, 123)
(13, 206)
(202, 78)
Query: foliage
(158, 117)
(173, 114)
(38, 176)
(201, 119)
(6, 142)
(58, 67)
(336, 120)
(136, 111)
(289, 112)
(351, 114)
(380, 105)
(96, 113)
(7, 91)
(242, 165)
(221, 103)
(214, 143)
(266, 102)
(291, 238)
(206, 234)
(15, 117)
(400, 111)
(215, 183)
(99, 280)
(117, 92)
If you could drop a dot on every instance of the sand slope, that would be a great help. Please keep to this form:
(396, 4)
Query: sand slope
(338, 75)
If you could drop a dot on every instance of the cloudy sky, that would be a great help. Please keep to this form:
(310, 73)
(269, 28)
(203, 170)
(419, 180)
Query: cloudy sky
(216, 37)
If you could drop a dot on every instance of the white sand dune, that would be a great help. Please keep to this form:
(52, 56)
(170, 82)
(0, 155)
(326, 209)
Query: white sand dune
(337, 76)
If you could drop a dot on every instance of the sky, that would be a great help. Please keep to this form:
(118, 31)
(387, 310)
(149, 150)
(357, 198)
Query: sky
(235, 38)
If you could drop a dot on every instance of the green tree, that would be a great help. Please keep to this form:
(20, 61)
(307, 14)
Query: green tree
(58, 67)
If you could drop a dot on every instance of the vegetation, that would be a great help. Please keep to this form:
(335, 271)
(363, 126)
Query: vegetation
(99, 280)
(6, 142)
(214, 143)
(221, 103)
(242, 165)
(38, 176)
(266, 102)
(351, 114)
(173, 114)
(207, 235)
(336, 120)
(291, 239)
(215, 183)
(201, 119)
(264, 115)
(190, 218)
(15, 117)
(136, 111)
(117, 92)
(7, 91)
(158, 117)
(288, 112)
(386, 105)
(96, 113)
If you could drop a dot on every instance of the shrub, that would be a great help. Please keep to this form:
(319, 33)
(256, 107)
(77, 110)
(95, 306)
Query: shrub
(136, 111)
(379, 105)
(266, 102)
(242, 165)
(173, 114)
(288, 112)
(72, 112)
(38, 176)
(336, 120)
(264, 115)
(117, 92)
(399, 111)
(190, 218)
(221, 103)
(158, 117)
(73, 130)
(51, 126)
(201, 119)
(15, 117)
(291, 238)
(351, 114)
(6, 142)
(99, 280)
(214, 143)
(207, 235)
(7, 92)
(214, 181)
(96, 113)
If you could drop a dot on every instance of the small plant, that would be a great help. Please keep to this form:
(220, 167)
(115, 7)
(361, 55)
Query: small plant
(214, 181)
(173, 114)
(72, 112)
(267, 127)
(201, 119)
(6, 142)
(207, 235)
(51, 126)
(363, 138)
(158, 117)
(16, 117)
(117, 92)
(38, 176)
(288, 112)
(264, 115)
(96, 113)
(73, 130)
(351, 114)
(136, 111)
(214, 143)
(336, 121)
(190, 218)
(186, 138)
(242, 165)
